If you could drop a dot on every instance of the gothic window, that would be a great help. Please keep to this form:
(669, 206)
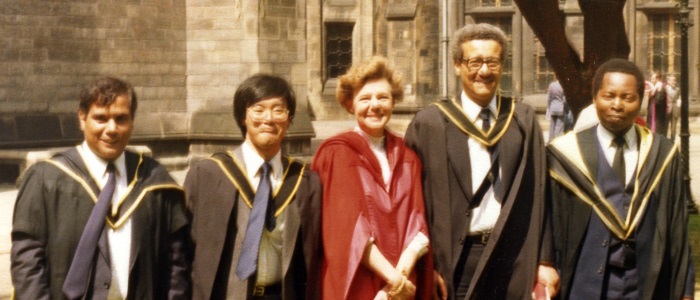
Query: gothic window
(544, 73)
(338, 43)
(665, 44)
(505, 24)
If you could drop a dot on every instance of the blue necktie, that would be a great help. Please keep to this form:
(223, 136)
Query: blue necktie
(248, 261)
(77, 278)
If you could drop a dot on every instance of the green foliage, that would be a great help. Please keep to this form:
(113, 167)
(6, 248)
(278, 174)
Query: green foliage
(694, 239)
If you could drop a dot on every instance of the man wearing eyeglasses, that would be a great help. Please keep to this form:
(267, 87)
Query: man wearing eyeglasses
(484, 180)
(255, 212)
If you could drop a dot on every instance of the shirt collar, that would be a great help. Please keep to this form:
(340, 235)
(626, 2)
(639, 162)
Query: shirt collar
(472, 110)
(374, 142)
(253, 161)
(98, 166)
(606, 137)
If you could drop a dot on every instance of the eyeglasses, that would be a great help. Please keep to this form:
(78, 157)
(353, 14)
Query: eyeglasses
(474, 64)
(277, 114)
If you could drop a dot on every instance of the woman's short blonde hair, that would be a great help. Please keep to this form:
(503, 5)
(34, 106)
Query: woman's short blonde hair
(358, 75)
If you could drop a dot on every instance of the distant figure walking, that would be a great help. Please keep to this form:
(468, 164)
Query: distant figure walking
(557, 109)
(673, 96)
(657, 119)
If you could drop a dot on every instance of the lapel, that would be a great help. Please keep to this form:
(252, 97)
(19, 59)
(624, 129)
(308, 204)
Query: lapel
(133, 162)
(71, 163)
(134, 186)
(512, 150)
(571, 167)
(588, 146)
(233, 166)
(282, 196)
(219, 218)
(291, 231)
(458, 158)
(588, 149)
(454, 112)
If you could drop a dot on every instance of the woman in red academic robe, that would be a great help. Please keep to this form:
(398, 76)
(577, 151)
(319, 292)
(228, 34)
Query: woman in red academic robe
(375, 236)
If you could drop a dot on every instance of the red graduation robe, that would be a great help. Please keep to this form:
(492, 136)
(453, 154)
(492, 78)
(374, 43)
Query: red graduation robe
(357, 207)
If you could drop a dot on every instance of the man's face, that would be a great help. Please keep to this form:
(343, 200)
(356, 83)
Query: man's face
(107, 129)
(480, 84)
(671, 80)
(617, 102)
(266, 133)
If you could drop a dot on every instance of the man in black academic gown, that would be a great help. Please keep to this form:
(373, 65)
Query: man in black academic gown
(99, 222)
(256, 212)
(484, 180)
(619, 201)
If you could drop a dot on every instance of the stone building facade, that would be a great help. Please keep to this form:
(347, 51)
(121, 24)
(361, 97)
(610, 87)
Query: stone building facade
(652, 31)
(186, 58)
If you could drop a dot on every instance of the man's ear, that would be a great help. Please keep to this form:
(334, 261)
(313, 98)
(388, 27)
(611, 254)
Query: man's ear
(81, 119)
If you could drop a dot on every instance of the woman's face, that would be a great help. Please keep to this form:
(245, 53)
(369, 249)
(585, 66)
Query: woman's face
(372, 106)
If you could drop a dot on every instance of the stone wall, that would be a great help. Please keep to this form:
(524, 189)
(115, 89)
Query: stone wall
(184, 57)
(405, 31)
(228, 41)
(50, 49)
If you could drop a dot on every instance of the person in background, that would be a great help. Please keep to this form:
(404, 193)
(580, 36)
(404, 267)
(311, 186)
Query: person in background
(256, 212)
(98, 221)
(557, 110)
(618, 203)
(673, 96)
(484, 180)
(374, 232)
(657, 117)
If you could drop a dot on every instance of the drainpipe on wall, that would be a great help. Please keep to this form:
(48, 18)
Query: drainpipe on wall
(445, 50)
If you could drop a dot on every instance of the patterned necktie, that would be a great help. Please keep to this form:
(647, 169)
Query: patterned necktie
(485, 116)
(77, 278)
(248, 261)
(619, 160)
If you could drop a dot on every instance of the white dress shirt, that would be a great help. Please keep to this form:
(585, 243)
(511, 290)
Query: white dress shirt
(630, 151)
(484, 216)
(119, 239)
(270, 253)
(379, 149)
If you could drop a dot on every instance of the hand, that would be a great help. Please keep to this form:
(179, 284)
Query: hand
(439, 288)
(404, 290)
(548, 276)
(382, 295)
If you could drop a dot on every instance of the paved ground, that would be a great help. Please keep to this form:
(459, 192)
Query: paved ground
(323, 130)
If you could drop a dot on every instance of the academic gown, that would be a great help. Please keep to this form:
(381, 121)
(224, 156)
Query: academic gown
(357, 207)
(657, 217)
(220, 217)
(508, 266)
(53, 206)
